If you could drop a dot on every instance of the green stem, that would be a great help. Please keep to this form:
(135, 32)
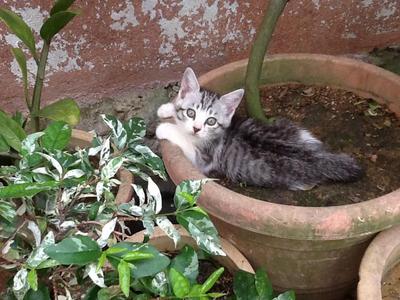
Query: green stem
(37, 91)
(254, 67)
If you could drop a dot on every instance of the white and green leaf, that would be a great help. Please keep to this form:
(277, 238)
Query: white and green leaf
(169, 229)
(107, 230)
(95, 274)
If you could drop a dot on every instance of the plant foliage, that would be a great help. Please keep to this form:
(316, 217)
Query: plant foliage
(60, 227)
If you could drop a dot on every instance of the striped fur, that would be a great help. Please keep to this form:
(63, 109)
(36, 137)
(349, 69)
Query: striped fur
(280, 154)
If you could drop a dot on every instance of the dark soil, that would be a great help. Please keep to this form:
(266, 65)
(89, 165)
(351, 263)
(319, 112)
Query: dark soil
(391, 284)
(345, 123)
(224, 283)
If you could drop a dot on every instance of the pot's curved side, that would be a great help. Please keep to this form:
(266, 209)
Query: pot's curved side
(314, 250)
(82, 139)
(381, 256)
(233, 261)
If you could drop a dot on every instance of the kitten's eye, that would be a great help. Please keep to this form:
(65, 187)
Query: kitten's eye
(190, 113)
(211, 121)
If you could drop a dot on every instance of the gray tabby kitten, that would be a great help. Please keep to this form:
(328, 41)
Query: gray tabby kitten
(280, 154)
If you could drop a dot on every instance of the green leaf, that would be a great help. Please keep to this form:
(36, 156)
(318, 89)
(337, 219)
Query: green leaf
(33, 280)
(78, 250)
(4, 147)
(124, 277)
(55, 23)
(145, 267)
(42, 293)
(187, 193)
(102, 260)
(263, 285)
(21, 60)
(61, 5)
(48, 264)
(93, 211)
(7, 211)
(137, 255)
(289, 295)
(200, 227)
(19, 118)
(187, 263)
(26, 189)
(244, 286)
(211, 280)
(62, 110)
(17, 26)
(56, 136)
(180, 284)
(11, 131)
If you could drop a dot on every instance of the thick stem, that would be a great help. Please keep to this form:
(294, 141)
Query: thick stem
(254, 67)
(37, 91)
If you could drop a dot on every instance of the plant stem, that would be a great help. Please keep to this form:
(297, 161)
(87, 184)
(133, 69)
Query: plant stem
(254, 67)
(37, 91)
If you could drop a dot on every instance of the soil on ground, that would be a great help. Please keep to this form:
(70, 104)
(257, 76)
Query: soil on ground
(391, 284)
(345, 123)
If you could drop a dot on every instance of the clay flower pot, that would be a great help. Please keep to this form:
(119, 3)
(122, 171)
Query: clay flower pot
(381, 256)
(233, 261)
(314, 250)
(84, 139)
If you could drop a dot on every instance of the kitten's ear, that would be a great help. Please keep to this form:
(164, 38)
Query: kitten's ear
(231, 101)
(189, 83)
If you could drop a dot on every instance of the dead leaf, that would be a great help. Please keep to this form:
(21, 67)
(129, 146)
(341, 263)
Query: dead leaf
(308, 92)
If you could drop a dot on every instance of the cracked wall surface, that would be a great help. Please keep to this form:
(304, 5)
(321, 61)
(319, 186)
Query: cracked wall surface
(114, 46)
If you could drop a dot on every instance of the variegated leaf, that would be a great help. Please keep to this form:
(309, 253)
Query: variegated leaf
(154, 196)
(169, 229)
(106, 232)
(95, 274)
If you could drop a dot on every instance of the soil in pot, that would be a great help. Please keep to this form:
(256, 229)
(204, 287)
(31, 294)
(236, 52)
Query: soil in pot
(391, 284)
(345, 123)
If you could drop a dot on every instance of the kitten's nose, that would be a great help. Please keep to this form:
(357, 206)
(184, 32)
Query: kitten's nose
(196, 130)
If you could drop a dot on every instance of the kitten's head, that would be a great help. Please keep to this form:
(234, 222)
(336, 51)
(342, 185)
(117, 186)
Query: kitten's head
(203, 113)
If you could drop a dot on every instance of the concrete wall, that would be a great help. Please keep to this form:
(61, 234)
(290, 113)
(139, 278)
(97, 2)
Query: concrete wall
(117, 45)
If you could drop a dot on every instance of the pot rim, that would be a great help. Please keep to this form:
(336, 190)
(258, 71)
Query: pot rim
(381, 255)
(292, 222)
(234, 259)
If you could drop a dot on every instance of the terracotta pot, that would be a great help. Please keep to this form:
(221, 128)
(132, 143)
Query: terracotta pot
(83, 139)
(314, 250)
(233, 261)
(381, 256)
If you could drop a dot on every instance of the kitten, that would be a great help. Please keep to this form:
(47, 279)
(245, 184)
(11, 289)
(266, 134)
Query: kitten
(280, 154)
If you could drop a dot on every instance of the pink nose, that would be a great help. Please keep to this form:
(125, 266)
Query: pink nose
(196, 130)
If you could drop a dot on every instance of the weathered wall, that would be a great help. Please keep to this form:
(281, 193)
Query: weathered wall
(115, 45)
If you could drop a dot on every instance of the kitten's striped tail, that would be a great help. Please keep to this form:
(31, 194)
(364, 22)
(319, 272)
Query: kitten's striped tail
(339, 167)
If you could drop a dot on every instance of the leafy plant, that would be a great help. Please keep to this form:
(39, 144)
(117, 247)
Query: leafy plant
(247, 286)
(177, 280)
(61, 230)
(66, 110)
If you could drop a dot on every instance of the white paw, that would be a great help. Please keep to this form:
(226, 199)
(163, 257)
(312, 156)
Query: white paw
(163, 131)
(166, 111)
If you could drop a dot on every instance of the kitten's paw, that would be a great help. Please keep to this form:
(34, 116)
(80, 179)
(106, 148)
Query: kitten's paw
(166, 111)
(163, 131)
